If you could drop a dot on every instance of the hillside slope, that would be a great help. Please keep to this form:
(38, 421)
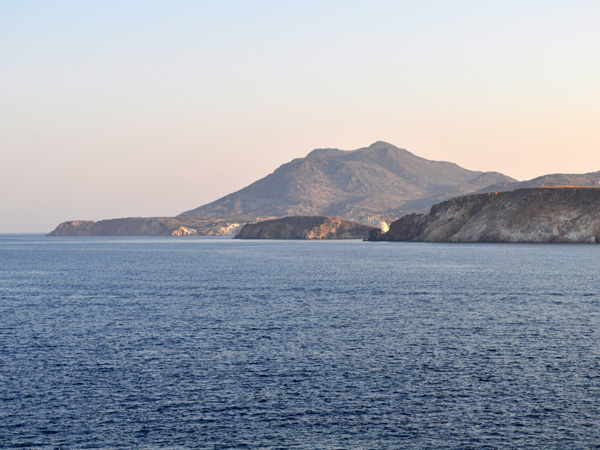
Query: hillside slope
(591, 179)
(380, 179)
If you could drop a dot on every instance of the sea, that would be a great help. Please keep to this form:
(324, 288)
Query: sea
(216, 343)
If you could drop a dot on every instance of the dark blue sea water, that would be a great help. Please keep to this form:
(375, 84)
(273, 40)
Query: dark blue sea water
(218, 343)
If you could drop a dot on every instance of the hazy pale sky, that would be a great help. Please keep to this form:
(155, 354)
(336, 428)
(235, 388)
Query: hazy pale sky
(141, 108)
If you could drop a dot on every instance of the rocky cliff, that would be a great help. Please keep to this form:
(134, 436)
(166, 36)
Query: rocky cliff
(534, 215)
(305, 227)
(146, 226)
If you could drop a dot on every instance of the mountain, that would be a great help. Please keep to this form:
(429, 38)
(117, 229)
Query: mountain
(378, 180)
(534, 215)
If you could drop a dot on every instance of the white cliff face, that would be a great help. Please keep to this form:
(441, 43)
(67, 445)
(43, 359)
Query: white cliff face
(184, 231)
(374, 221)
(231, 229)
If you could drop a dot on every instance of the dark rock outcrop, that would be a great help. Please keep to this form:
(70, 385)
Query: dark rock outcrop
(534, 215)
(305, 227)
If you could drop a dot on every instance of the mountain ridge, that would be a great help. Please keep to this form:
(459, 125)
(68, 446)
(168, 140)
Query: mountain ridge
(590, 179)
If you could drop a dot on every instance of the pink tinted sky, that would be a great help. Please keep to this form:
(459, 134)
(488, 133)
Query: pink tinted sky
(113, 109)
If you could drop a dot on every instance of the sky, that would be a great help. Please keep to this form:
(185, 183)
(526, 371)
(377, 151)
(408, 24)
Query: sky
(150, 108)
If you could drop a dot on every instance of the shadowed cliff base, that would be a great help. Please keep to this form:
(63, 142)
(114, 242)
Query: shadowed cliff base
(532, 215)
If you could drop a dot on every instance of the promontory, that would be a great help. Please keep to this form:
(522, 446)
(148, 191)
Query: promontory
(566, 214)
(305, 227)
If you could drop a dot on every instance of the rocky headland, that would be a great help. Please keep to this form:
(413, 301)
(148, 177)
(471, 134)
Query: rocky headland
(533, 215)
(147, 226)
(305, 227)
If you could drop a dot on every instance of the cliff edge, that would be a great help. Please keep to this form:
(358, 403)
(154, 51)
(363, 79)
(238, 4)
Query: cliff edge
(532, 215)
(305, 227)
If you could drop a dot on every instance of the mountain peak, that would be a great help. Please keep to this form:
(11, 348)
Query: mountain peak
(379, 145)
(381, 179)
(332, 153)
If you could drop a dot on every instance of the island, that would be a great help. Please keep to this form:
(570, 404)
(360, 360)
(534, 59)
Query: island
(551, 214)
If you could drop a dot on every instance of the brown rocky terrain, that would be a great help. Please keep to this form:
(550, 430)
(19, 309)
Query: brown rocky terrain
(534, 215)
(305, 227)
